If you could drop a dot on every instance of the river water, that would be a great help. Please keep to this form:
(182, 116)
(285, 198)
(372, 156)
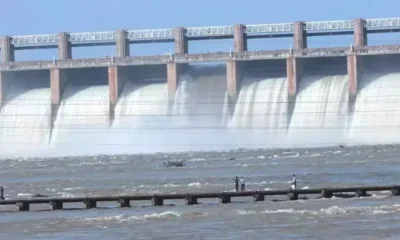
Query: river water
(375, 217)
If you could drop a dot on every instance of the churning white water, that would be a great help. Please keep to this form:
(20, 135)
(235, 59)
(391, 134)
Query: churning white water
(376, 117)
(320, 113)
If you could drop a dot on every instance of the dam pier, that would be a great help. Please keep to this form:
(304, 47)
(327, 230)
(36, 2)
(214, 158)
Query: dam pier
(353, 59)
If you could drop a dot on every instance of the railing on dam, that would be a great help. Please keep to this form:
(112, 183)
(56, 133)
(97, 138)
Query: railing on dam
(181, 36)
(385, 24)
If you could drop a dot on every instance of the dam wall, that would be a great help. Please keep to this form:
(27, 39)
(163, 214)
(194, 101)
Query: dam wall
(299, 96)
(207, 110)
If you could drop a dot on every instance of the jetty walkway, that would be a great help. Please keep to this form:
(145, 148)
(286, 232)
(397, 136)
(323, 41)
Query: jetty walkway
(192, 198)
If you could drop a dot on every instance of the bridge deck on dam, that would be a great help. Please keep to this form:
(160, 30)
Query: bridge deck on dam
(202, 57)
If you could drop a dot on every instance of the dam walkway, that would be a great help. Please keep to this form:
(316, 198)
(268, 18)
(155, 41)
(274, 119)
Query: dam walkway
(192, 198)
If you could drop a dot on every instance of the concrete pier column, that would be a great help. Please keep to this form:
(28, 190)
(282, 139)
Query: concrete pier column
(355, 69)
(326, 194)
(114, 87)
(174, 71)
(181, 41)
(64, 46)
(396, 191)
(258, 197)
(56, 205)
(7, 49)
(157, 201)
(122, 44)
(360, 33)
(23, 206)
(299, 36)
(293, 195)
(224, 199)
(58, 80)
(190, 200)
(233, 75)
(239, 38)
(124, 203)
(90, 203)
(361, 193)
(294, 71)
(2, 81)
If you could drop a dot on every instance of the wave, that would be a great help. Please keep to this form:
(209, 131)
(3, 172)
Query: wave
(331, 211)
(139, 218)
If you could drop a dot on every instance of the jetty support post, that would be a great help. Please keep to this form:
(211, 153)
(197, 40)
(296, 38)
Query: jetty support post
(293, 195)
(361, 193)
(224, 199)
(191, 200)
(326, 194)
(257, 197)
(23, 206)
(157, 201)
(124, 202)
(396, 191)
(56, 205)
(90, 203)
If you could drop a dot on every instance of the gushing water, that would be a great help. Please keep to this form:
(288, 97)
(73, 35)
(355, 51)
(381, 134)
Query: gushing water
(376, 117)
(320, 112)
(82, 117)
(25, 116)
(201, 116)
(260, 111)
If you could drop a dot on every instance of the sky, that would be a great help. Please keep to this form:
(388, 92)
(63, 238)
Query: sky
(24, 17)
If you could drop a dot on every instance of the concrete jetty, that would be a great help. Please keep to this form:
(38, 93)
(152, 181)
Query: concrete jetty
(193, 198)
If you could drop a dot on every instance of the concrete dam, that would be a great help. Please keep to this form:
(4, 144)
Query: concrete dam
(298, 97)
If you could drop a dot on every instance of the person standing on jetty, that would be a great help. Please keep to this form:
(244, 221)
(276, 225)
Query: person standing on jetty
(242, 184)
(236, 179)
(1, 193)
(294, 183)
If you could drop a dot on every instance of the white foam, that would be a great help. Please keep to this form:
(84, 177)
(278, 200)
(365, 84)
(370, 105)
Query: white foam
(172, 185)
(330, 211)
(24, 194)
(139, 218)
(195, 184)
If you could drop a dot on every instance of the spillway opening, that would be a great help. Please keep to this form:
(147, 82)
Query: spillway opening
(144, 73)
(143, 96)
(200, 98)
(25, 110)
(382, 63)
(83, 112)
(36, 54)
(320, 110)
(259, 118)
